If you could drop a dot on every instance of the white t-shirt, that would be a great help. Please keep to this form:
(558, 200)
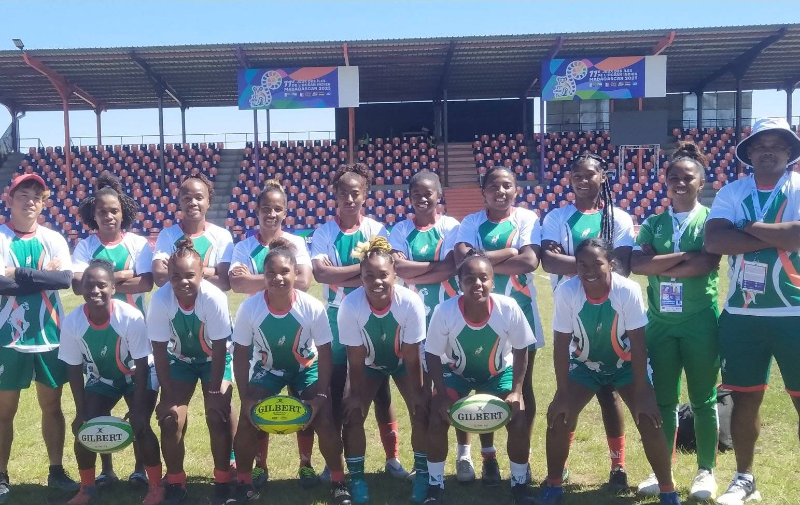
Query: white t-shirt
(109, 351)
(382, 333)
(215, 244)
(282, 342)
(251, 252)
(190, 331)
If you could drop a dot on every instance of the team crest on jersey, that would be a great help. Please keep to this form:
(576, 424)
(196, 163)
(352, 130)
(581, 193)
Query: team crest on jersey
(424, 249)
(104, 350)
(494, 239)
(585, 233)
(383, 337)
(659, 229)
(282, 340)
(478, 351)
(28, 261)
(19, 322)
(599, 327)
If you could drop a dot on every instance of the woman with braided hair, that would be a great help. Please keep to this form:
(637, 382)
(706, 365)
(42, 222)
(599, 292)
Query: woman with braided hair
(189, 325)
(683, 312)
(382, 325)
(592, 215)
(109, 212)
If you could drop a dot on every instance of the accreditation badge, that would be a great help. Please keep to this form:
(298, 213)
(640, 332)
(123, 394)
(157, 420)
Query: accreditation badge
(754, 277)
(672, 297)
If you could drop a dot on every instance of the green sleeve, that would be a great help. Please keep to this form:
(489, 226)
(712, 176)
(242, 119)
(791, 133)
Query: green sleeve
(645, 235)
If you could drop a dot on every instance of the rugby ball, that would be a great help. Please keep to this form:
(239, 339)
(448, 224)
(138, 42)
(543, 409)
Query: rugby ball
(105, 434)
(480, 413)
(280, 414)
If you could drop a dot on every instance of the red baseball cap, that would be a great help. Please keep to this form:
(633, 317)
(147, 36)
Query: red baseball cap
(26, 177)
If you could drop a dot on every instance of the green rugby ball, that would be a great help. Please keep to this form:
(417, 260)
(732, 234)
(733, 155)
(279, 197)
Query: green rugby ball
(480, 413)
(280, 414)
(105, 434)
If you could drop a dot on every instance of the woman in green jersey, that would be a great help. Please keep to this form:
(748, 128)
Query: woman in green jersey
(682, 311)
(282, 339)
(599, 322)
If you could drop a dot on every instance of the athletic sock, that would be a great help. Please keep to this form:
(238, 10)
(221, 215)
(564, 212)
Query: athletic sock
(571, 438)
(336, 475)
(355, 466)
(464, 452)
(262, 446)
(745, 476)
(177, 478)
(87, 477)
(246, 478)
(153, 474)
(436, 474)
(420, 462)
(616, 451)
(390, 439)
(222, 476)
(667, 488)
(519, 473)
(305, 446)
(555, 482)
(488, 453)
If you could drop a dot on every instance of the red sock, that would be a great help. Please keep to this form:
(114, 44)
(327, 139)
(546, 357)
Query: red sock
(177, 478)
(153, 474)
(488, 453)
(87, 477)
(616, 450)
(391, 442)
(305, 446)
(246, 478)
(261, 452)
(555, 482)
(669, 488)
(337, 475)
(222, 476)
(571, 438)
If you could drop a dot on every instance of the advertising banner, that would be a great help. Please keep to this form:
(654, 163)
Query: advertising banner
(604, 78)
(298, 88)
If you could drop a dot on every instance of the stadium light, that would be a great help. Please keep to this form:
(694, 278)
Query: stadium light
(19, 44)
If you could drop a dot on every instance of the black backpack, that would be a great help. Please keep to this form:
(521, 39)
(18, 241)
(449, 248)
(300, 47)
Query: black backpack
(686, 440)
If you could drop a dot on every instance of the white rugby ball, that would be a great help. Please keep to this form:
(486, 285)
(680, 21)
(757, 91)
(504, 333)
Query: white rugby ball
(480, 413)
(105, 434)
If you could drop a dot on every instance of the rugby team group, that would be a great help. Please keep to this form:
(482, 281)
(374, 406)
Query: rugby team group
(442, 308)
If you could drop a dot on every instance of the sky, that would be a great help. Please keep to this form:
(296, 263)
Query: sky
(121, 23)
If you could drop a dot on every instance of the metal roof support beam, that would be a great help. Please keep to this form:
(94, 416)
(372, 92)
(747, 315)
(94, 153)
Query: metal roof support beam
(163, 147)
(448, 59)
(245, 63)
(99, 128)
(62, 85)
(183, 124)
(351, 114)
(698, 93)
(443, 83)
(554, 50)
(790, 85)
(738, 120)
(739, 65)
(664, 43)
(158, 81)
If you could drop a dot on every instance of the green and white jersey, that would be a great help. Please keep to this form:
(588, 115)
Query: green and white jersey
(215, 244)
(569, 227)
(520, 229)
(661, 231)
(781, 294)
(130, 252)
(382, 333)
(432, 243)
(478, 351)
(31, 323)
(598, 327)
(282, 342)
(251, 252)
(336, 245)
(190, 331)
(108, 351)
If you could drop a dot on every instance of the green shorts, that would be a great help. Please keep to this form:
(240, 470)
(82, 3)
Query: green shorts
(338, 351)
(747, 345)
(499, 385)
(119, 388)
(190, 372)
(590, 379)
(382, 374)
(18, 369)
(298, 382)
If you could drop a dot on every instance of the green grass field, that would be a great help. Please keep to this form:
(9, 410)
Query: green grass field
(777, 462)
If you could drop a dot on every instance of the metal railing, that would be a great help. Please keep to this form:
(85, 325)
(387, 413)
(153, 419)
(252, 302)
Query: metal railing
(27, 142)
(231, 140)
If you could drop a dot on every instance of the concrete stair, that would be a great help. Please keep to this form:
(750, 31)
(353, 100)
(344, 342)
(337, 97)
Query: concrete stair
(464, 200)
(461, 166)
(229, 168)
(9, 167)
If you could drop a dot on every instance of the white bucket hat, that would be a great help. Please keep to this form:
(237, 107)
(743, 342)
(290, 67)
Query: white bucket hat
(766, 125)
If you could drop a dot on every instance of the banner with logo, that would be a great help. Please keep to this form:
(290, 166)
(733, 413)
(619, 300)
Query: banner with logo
(604, 78)
(298, 88)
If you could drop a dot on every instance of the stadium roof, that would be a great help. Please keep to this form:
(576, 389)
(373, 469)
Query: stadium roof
(400, 69)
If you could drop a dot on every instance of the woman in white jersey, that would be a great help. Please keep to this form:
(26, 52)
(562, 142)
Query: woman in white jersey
(189, 324)
(339, 273)
(282, 339)
(592, 215)
(599, 323)
(109, 212)
(382, 325)
(510, 237)
(484, 337)
(247, 276)
(107, 338)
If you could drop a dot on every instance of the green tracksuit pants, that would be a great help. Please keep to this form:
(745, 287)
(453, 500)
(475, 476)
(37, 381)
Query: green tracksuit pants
(691, 345)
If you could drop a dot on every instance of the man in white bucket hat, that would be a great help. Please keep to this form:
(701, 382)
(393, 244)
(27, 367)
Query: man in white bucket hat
(756, 222)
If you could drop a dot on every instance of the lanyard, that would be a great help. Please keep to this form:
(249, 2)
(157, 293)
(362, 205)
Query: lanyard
(678, 229)
(759, 210)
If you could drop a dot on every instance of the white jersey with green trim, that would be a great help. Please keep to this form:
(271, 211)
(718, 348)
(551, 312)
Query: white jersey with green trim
(478, 351)
(131, 252)
(109, 351)
(214, 244)
(251, 252)
(569, 226)
(32, 323)
(336, 245)
(190, 331)
(382, 333)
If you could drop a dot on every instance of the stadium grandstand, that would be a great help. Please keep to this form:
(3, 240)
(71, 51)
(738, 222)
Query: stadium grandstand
(455, 106)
